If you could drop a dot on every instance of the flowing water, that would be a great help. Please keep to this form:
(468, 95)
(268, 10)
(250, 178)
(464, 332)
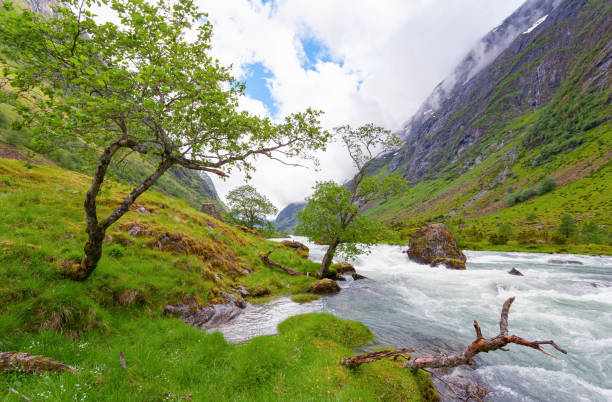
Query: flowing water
(432, 309)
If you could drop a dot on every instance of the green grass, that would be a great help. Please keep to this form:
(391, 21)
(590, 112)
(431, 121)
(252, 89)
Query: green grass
(120, 307)
(166, 360)
(305, 298)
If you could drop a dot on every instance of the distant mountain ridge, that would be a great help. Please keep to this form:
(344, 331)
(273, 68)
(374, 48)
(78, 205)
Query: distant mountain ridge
(286, 220)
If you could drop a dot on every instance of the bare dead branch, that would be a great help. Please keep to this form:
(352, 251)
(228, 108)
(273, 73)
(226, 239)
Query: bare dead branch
(481, 344)
(19, 394)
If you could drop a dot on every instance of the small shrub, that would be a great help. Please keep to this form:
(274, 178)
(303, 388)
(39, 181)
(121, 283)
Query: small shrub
(532, 217)
(546, 185)
(567, 227)
(497, 240)
(558, 238)
(512, 199)
(526, 194)
(527, 236)
(116, 251)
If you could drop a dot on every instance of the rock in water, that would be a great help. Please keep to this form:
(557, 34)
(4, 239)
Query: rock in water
(343, 268)
(564, 262)
(324, 286)
(434, 245)
(515, 271)
(211, 209)
(357, 277)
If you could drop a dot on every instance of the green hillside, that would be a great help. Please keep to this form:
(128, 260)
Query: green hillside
(120, 308)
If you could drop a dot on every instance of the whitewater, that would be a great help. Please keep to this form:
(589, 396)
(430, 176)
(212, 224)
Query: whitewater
(432, 310)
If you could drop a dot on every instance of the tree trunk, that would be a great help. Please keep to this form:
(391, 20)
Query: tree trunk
(327, 260)
(95, 230)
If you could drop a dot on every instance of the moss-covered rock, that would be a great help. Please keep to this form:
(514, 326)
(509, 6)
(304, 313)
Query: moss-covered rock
(434, 245)
(324, 286)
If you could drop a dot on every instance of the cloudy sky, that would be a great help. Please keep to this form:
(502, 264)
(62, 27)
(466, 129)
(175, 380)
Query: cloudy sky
(357, 60)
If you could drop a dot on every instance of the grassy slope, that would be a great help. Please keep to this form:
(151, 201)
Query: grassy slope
(120, 307)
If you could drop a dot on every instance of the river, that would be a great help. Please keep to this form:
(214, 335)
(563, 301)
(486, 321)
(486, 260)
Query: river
(429, 309)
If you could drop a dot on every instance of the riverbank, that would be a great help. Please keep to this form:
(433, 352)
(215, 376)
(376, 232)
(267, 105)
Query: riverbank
(163, 253)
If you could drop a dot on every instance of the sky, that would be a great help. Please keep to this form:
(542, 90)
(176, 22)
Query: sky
(359, 61)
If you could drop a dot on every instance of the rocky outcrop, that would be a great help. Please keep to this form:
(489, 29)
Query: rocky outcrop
(211, 209)
(435, 245)
(324, 286)
(300, 248)
(208, 316)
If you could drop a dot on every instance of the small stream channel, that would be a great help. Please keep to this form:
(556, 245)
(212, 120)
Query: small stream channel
(410, 305)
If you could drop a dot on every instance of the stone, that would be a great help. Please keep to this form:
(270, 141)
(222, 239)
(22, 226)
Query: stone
(343, 268)
(324, 286)
(208, 316)
(434, 245)
(357, 277)
(515, 271)
(572, 262)
(143, 210)
(211, 209)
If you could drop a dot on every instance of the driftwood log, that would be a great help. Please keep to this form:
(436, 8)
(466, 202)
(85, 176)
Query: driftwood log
(481, 344)
(266, 259)
(15, 361)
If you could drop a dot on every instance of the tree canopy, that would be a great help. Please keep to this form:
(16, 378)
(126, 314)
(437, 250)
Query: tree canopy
(249, 206)
(334, 214)
(146, 85)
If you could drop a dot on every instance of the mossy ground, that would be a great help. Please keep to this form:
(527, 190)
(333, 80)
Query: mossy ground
(119, 309)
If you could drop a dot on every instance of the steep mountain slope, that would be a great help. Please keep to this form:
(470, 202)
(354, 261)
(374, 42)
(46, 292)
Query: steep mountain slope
(542, 107)
(286, 220)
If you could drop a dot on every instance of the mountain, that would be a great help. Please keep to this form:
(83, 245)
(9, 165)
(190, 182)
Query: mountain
(286, 220)
(531, 100)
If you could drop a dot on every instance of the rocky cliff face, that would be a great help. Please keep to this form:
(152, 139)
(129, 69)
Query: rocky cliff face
(518, 67)
(286, 220)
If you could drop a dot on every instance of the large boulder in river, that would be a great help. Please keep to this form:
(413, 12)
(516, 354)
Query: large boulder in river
(434, 245)
(324, 286)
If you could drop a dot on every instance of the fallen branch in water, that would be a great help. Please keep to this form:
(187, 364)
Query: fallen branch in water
(481, 344)
(266, 259)
(11, 361)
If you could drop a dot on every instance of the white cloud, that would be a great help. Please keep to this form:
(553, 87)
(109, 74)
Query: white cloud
(386, 57)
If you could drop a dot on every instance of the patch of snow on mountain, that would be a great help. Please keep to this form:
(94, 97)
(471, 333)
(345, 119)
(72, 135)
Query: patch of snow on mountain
(535, 25)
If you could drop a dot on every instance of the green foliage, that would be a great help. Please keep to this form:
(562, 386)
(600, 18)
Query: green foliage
(591, 233)
(504, 233)
(334, 213)
(545, 186)
(250, 207)
(567, 227)
(532, 217)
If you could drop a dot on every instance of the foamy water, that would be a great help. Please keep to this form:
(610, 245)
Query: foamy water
(412, 305)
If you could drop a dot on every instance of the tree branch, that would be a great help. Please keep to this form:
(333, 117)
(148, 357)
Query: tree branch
(266, 259)
(481, 344)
